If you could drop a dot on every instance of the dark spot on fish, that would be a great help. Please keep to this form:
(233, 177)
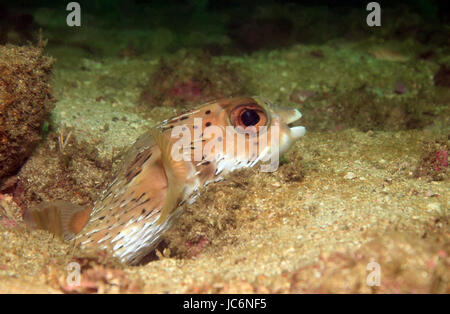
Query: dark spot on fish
(140, 197)
(146, 201)
(135, 167)
(207, 111)
(206, 163)
(147, 158)
(208, 124)
(138, 172)
(166, 127)
(220, 139)
(101, 218)
(143, 211)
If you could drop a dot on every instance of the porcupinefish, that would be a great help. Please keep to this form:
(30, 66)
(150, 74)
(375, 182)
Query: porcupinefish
(155, 179)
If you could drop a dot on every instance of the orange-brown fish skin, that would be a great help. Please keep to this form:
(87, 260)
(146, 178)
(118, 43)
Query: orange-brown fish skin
(144, 199)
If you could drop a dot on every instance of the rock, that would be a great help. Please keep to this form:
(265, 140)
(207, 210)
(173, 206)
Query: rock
(25, 103)
(400, 88)
(349, 176)
(317, 53)
(442, 77)
(434, 207)
(300, 96)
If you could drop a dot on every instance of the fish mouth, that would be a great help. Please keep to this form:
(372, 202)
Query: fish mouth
(292, 122)
(290, 117)
(297, 131)
(294, 116)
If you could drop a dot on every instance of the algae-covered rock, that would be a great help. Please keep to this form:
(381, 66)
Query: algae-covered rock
(191, 79)
(25, 103)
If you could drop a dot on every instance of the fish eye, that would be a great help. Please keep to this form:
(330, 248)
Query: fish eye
(248, 116)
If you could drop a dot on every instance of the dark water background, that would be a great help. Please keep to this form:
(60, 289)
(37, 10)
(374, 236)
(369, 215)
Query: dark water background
(220, 27)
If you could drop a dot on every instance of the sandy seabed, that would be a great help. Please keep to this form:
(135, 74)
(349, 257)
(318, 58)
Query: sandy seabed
(357, 201)
(344, 202)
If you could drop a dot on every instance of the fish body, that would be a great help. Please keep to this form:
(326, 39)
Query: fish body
(167, 166)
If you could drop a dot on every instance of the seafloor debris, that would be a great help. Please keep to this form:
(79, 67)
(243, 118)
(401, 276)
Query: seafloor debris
(10, 215)
(388, 55)
(400, 88)
(64, 167)
(300, 96)
(101, 279)
(434, 161)
(404, 266)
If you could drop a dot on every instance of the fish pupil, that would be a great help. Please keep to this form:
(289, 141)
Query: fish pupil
(249, 117)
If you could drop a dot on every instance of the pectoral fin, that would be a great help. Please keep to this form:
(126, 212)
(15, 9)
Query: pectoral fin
(176, 172)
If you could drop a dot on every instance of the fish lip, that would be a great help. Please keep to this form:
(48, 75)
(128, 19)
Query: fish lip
(293, 118)
(296, 130)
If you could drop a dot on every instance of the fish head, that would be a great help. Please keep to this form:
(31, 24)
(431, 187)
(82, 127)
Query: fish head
(235, 132)
(259, 130)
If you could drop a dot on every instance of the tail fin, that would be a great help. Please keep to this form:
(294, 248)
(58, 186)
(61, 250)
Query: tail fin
(62, 218)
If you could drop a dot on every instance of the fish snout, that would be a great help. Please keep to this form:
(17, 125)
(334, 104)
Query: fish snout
(290, 116)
